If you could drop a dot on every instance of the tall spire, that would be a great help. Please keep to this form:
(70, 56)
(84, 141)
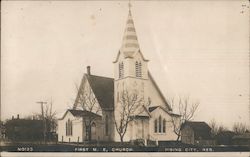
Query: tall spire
(130, 42)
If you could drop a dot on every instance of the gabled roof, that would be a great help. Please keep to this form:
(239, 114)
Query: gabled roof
(197, 125)
(103, 88)
(158, 89)
(143, 113)
(151, 109)
(201, 129)
(80, 113)
(130, 56)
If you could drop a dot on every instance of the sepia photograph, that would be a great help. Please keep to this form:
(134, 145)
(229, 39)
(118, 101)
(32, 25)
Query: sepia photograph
(125, 76)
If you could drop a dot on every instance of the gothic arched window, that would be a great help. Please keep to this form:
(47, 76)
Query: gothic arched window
(155, 124)
(138, 69)
(164, 126)
(93, 128)
(69, 128)
(160, 124)
(106, 125)
(66, 128)
(121, 70)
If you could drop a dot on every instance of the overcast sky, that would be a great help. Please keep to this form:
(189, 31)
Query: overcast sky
(195, 48)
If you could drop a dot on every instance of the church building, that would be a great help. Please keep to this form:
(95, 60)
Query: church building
(128, 107)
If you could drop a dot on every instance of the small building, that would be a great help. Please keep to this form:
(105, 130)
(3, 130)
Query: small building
(196, 133)
(24, 130)
(225, 137)
(2, 130)
(32, 130)
(242, 139)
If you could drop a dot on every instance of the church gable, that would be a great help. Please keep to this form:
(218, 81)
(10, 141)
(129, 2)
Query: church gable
(67, 115)
(159, 111)
(103, 88)
(139, 55)
(161, 126)
(156, 96)
(95, 94)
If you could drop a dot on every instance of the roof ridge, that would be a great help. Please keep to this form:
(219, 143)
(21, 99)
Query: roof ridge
(99, 76)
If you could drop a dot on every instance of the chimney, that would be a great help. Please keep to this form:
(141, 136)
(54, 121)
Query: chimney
(17, 116)
(88, 70)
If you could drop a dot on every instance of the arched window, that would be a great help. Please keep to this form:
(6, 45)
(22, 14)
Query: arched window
(160, 124)
(138, 69)
(106, 125)
(93, 128)
(155, 124)
(121, 70)
(66, 128)
(164, 126)
(69, 128)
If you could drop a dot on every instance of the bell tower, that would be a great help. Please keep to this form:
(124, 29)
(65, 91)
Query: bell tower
(130, 67)
(130, 61)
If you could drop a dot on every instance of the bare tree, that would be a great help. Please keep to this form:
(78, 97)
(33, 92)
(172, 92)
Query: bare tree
(87, 101)
(239, 128)
(186, 108)
(49, 116)
(214, 127)
(221, 128)
(131, 104)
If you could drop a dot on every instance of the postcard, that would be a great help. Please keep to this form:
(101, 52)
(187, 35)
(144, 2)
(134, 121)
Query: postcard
(166, 77)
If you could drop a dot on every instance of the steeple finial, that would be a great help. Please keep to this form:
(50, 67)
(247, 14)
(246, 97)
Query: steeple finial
(129, 6)
(130, 43)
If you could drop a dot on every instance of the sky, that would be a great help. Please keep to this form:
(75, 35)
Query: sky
(196, 48)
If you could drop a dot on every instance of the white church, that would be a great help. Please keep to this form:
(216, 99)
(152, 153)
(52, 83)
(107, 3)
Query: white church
(128, 107)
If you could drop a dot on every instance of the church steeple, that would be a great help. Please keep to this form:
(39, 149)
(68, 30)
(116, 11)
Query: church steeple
(130, 41)
(130, 61)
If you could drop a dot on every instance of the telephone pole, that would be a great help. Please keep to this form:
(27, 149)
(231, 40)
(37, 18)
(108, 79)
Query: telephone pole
(44, 121)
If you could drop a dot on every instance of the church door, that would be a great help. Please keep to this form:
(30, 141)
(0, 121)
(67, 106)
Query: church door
(93, 131)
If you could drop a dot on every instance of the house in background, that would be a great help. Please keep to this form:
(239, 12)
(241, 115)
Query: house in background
(241, 139)
(2, 130)
(196, 133)
(104, 99)
(32, 130)
(225, 137)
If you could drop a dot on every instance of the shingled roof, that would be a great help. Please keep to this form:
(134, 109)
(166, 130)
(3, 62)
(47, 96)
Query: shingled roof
(103, 88)
(151, 109)
(80, 113)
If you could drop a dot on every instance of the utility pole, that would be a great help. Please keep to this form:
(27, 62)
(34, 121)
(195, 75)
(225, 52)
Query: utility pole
(44, 121)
